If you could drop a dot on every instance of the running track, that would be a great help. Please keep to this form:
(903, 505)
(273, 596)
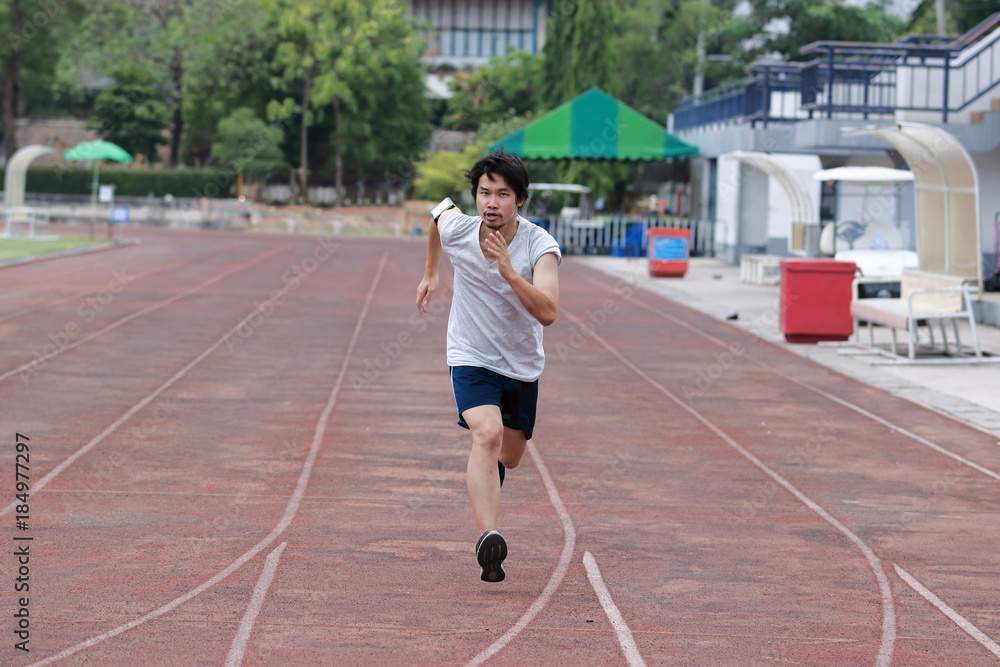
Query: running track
(243, 451)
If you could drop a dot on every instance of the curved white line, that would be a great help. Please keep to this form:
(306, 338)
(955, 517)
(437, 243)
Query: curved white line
(888, 612)
(290, 509)
(957, 618)
(632, 655)
(938, 448)
(557, 575)
(804, 385)
(138, 313)
(239, 646)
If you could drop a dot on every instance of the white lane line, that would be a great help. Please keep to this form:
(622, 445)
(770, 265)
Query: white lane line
(98, 291)
(888, 611)
(569, 544)
(242, 638)
(913, 436)
(851, 406)
(959, 620)
(290, 509)
(115, 425)
(631, 651)
(30, 366)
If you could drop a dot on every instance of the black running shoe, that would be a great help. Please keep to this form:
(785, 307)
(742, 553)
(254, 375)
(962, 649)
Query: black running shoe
(502, 470)
(491, 549)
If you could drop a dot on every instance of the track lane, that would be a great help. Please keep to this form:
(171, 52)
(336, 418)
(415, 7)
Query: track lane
(697, 549)
(793, 455)
(249, 508)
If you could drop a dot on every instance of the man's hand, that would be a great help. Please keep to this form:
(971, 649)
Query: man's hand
(496, 246)
(425, 290)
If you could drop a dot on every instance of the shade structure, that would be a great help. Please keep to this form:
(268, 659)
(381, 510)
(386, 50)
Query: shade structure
(865, 175)
(98, 150)
(947, 196)
(594, 126)
(17, 168)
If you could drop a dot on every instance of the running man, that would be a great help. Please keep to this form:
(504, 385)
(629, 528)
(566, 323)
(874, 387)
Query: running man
(506, 289)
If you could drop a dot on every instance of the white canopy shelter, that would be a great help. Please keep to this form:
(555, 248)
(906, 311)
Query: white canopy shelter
(947, 197)
(803, 209)
(17, 167)
(864, 175)
(16, 214)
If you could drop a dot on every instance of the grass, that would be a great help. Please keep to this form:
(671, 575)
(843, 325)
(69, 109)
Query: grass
(15, 248)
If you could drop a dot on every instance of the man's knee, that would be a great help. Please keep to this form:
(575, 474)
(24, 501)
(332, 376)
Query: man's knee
(489, 435)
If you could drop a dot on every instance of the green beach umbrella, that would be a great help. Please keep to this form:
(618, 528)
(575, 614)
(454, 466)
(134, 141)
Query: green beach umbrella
(594, 126)
(98, 150)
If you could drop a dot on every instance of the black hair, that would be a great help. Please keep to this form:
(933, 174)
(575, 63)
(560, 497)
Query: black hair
(502, 164)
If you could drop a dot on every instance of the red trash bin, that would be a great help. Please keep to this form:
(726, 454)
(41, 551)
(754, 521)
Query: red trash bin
(816, 300)
(669, 250)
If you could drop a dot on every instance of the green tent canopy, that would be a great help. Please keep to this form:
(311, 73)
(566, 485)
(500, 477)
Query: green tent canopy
(594, 126)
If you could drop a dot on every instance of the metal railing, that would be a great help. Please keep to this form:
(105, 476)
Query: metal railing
(626, 236)
(924, 73)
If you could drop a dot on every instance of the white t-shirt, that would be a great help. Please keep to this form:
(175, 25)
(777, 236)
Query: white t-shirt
(488, 327)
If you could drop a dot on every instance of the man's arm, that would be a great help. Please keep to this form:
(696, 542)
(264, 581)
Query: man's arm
(540, 297)
(429, 283)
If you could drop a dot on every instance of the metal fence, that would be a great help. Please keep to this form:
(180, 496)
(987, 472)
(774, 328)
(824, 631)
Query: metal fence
(871, 80)
(625, 236)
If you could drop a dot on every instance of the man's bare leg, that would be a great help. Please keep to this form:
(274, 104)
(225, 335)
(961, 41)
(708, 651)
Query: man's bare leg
(482, 476)
(484, 487)
(513, 447)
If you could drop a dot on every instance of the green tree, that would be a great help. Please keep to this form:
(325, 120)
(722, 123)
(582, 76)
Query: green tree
(960, 17)
(377, 95)
(228, 51)
(827, 20)
(167, 39)
(581, 49)
(659, 50)
(247, 144)
(346, 59)
(509, 85)
(129, 113)
(30, 34)
(388, 127)
(311, 34)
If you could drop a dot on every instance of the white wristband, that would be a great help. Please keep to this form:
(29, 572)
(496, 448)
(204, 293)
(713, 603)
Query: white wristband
(438, 210)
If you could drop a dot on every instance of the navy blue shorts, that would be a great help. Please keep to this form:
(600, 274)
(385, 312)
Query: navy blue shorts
(479, 386)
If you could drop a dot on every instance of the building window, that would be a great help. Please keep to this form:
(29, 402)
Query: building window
(478, 31)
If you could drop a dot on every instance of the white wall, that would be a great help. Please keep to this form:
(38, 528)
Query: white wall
(759, 208)
(727, 207)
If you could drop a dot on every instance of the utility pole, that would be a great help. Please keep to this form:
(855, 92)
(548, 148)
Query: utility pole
(699, 76)
(939, 7)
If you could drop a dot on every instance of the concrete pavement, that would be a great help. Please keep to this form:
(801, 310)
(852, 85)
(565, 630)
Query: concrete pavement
(968, 392)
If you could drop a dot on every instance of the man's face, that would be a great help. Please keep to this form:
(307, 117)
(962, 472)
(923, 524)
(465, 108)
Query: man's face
(496, 201)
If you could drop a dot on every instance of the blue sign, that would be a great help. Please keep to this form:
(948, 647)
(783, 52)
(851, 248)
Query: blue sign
(670, 248)
(119, 214)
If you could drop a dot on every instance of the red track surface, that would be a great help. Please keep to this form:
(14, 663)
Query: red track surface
(243, 448)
